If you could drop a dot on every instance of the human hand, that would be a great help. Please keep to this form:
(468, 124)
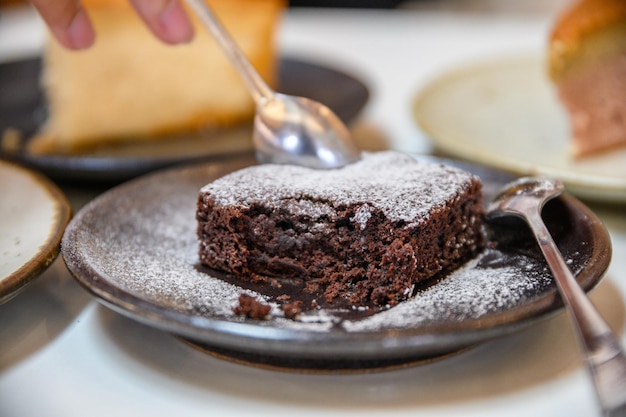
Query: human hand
(71, 26)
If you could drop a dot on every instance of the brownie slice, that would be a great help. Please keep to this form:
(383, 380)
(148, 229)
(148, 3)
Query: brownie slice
(362, 235)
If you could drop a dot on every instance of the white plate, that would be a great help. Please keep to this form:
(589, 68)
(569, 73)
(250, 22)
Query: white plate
(33, 216)
(505, 114)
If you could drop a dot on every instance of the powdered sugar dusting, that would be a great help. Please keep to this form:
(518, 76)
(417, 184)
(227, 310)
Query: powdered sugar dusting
(153, 255)
(154, 258)
(470, 292)
(395, 183)
(362, 216)
(142, 240)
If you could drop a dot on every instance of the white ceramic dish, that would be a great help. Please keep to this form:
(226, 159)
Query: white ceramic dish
(505, 114)
(33, 216)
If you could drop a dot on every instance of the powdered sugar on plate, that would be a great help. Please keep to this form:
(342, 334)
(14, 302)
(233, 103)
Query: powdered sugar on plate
(138, 242)
(151, 252)
(471, 292)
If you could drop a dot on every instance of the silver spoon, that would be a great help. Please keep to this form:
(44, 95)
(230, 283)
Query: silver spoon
(605, 358)
(287, 129)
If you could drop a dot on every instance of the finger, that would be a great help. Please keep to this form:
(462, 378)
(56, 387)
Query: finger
(67, 21)
(167, 19)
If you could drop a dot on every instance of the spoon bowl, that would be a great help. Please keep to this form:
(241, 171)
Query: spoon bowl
(300, 131)
(605, 358)
(524, 195)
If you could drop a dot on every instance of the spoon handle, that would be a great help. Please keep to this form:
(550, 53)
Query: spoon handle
(603, 352)
(256, 85)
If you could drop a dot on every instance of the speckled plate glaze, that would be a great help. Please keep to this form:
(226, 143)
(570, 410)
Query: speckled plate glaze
(135, 249)
(22, 108)
(506, 114)
(33, 216)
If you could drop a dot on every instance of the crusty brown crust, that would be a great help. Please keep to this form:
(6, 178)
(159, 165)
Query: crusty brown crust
(587, 63)
(574, 26)
(585, 16)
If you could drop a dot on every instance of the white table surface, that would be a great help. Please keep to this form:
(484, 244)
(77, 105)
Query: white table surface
(63, 354)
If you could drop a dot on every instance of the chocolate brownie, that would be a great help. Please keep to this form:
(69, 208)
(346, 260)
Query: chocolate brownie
(252, 308)
(362, 235)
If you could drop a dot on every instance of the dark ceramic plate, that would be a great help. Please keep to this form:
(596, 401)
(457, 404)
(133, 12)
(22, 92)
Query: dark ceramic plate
(22, 107)
(135, 249)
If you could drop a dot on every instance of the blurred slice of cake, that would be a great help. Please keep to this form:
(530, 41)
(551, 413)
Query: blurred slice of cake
(130, 86)
(587, 59)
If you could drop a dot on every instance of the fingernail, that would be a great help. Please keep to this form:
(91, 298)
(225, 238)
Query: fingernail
(80, 33)
(176, 23)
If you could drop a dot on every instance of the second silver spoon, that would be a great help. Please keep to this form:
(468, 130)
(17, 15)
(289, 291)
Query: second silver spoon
(525, 198)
